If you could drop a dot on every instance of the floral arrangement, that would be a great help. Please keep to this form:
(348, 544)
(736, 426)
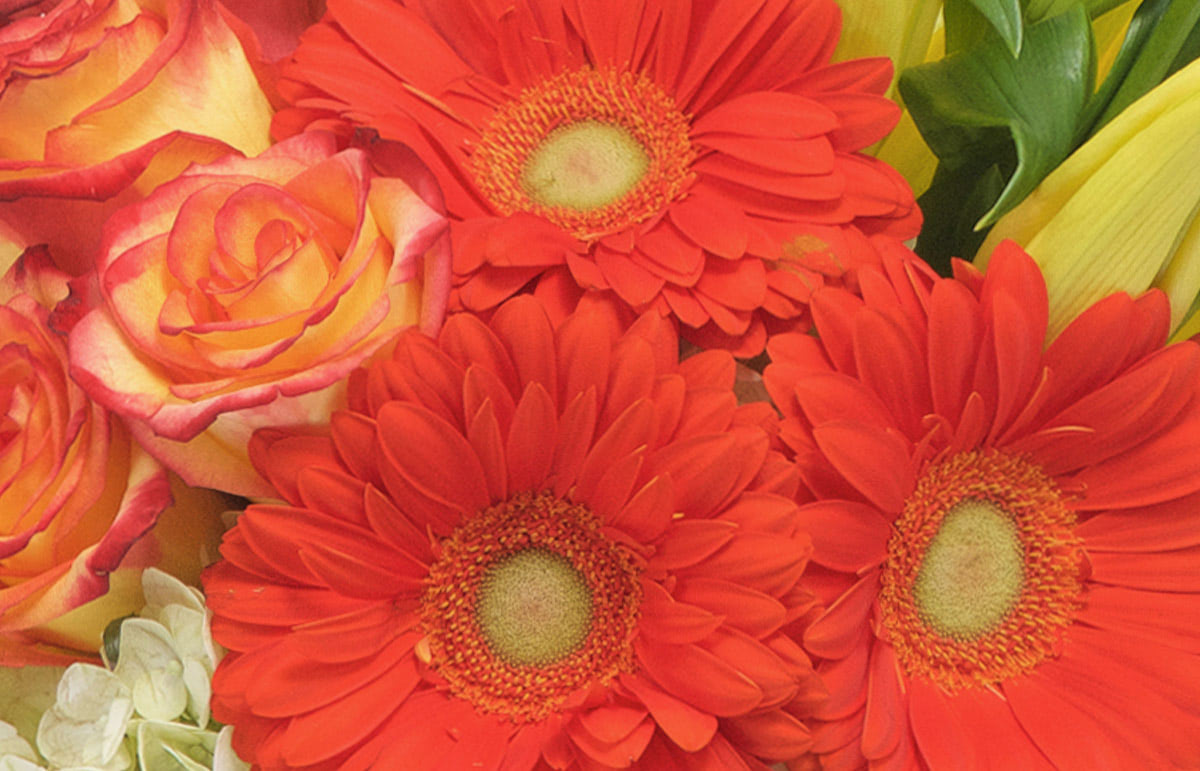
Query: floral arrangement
(598, 384)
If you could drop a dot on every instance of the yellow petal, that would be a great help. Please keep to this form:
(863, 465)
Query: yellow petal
(1113, 216)
(898, 29)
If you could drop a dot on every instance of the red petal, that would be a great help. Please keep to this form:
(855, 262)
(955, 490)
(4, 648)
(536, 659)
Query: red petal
(698, 677)
(751, 611)
(576, 428)
(433, 456)
(836, 633)
(666, 620)
(875, 462)
(973, 727)
(847, 536)
(772, 114)
(685, 725)
(712, 221)
(483, 432)
(772, 736)
(531, 439)
(526, 332)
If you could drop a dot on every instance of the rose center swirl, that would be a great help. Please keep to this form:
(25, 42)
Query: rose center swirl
(527, 604)
(983, 571)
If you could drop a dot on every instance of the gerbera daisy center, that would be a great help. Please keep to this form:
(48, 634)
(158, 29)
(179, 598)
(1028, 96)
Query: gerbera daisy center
(534, 607)
(529, 603)
(584, 166)
(983, 571)
(593, 151)
(973, 571)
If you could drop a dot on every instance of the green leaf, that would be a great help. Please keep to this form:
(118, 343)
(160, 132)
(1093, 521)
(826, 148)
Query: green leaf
(1036, 10)
(957, 197)
(1161, 34)
(969, 21)
(974, 103)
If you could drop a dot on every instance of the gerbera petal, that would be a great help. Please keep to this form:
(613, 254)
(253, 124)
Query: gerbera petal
(480, 385)
(690, 541)
(354, 437)
(835, 634)
(770, 114)
(698, 677)
(829, 396)
(585, 355)
(469, 342)
(774, 735)
(327, 682)
(577, 427)
(525, 330)
(628, 432)
(371, 25)
(279, 456)
(1168, 571)
(890, 363)
(432, 455)
(666, 620)
(531, 439)
(483, 432)
(632, 378)
(631, 746)
(334, 492)
(955, 337)
(1164, 527)
(751, 611)
(875, 462)
(1166, 467)
(688, 727)
(1121, 414)
(616, 485)
(610, 723)
(352, 717)
(633, 283)
(847, 536)
(712, 222)
(1165, 618)
(975, 727)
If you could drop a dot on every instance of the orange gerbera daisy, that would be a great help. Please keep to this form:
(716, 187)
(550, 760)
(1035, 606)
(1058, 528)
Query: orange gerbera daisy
(699, 158)
(521, 548)
(1006, 535)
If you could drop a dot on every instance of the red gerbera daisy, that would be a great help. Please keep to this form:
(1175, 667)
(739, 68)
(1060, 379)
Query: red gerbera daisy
(697, 157)
(521, 547)
(1007, 534)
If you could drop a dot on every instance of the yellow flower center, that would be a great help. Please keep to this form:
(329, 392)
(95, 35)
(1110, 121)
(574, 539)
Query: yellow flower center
(983, 571)
(973, 571)
(528, 603)
(534, 607)
(593, 151)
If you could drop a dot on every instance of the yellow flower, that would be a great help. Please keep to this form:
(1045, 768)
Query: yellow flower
(1120, 214)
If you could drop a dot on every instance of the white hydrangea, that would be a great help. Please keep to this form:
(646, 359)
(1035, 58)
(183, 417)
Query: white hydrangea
(148, 710)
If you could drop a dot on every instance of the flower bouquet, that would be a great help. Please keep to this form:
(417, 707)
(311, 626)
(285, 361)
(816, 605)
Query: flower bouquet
(441, 385)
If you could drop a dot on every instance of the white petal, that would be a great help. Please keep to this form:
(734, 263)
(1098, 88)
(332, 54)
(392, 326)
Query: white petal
(199, 686)
(13, 746)
(86, 725)
(174, 746)
(162, 589)
(224, 758)
(152, 669)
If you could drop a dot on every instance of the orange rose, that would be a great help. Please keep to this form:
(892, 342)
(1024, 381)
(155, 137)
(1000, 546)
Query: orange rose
(92, 92)
(241, 294)
(78, 499)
